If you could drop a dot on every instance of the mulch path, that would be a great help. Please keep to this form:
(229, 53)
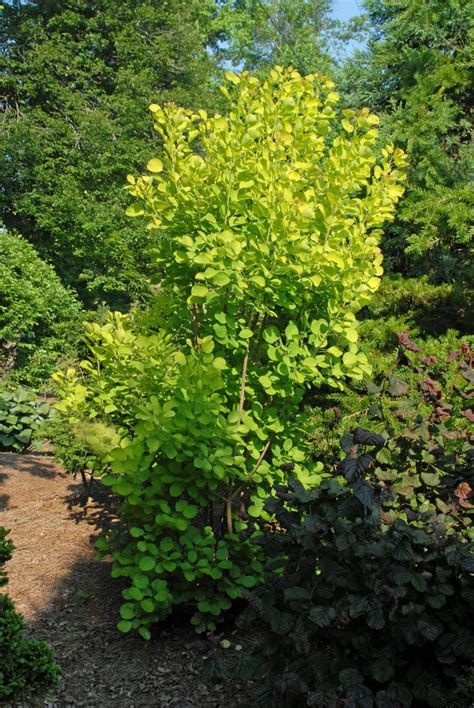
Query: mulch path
(70, 600)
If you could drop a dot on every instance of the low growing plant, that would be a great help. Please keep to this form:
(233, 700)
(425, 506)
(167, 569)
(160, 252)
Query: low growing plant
(389, 398)
(370, 585)
(27, 666)
(22, 413)
(81, 447)
(268, 223)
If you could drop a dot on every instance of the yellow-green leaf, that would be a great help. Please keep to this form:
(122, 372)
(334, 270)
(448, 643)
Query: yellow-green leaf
(199, 291)
(134, 209)
(155, 165)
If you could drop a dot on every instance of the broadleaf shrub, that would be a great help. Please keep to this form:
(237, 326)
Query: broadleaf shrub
(22, 413)
(370, 575)
(268, 221)
(39, 317)
(27, 666)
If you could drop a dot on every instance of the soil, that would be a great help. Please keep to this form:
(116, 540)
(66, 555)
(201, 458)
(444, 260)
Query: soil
(69, 599)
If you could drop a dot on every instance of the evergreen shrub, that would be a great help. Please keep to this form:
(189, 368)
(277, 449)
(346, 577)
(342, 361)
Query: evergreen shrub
(39, 317)
(27, 666)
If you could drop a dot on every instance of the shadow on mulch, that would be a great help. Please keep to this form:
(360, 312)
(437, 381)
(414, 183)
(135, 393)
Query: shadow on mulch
(103, 667)
(37, 464)
(99, 510)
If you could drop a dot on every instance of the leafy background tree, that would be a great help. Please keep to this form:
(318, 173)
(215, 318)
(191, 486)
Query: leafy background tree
(415, 73)
(76, 82)
(259, 34)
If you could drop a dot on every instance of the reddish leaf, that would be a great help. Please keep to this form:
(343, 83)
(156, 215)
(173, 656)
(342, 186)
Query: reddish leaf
(466, 371)
(430, 391)
(442, 413)
(463, 490)
(468, 414)
(467, 353)
(405, 340)
(428, 360)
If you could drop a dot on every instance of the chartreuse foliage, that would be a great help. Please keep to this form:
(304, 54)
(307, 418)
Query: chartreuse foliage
(370, 588)
(26, 665)
(268, 220)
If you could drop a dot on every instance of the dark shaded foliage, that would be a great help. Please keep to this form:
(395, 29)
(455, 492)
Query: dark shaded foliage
(370, 586)
(26, 666)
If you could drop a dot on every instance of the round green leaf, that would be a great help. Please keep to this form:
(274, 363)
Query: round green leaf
(146, 563)
(127, 612)
(144, 632)
(147, 605)
(190, 511)
(199, 291)
(155, 165)
(166, 544)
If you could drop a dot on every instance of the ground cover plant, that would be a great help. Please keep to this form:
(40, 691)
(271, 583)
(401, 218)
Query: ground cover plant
(370, 575)
(388, 398)
(22, 414)
(268, 221)
(26, 666)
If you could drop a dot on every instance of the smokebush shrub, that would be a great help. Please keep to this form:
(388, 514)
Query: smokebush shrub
(27, 666)
(268, 222)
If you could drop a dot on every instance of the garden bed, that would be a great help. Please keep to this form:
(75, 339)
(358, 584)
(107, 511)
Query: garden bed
(69, 599)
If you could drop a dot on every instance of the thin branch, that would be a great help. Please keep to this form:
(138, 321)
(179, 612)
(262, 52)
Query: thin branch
(242, 387)
(195, 323)
(255, 467)
(230, 496)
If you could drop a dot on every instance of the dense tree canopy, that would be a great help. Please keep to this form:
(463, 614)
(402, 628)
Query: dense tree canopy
(76, 81)
(415, 71)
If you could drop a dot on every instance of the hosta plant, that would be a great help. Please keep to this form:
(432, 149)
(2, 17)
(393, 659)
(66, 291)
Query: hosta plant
(21, 414)
(267, 223)
(370, 575)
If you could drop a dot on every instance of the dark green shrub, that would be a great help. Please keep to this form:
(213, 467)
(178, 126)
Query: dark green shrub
(378, 403)
(21, 414)
(39, 317)
(26, 665)
(370, 584)
(416, 303)
(6, 549)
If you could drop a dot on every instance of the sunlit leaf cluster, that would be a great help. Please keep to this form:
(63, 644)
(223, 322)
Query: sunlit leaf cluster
(265, 224)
